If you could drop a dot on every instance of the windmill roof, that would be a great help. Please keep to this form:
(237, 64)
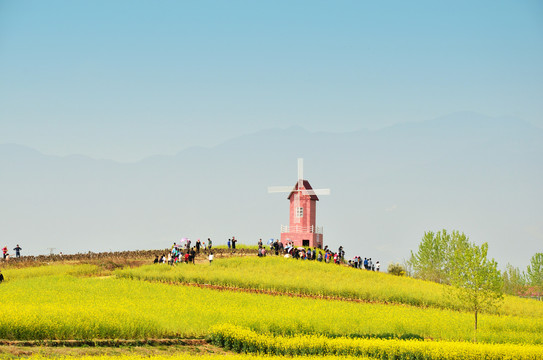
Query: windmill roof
(307, 186)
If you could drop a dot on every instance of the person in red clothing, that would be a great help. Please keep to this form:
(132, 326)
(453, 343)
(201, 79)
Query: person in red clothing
(5, 251)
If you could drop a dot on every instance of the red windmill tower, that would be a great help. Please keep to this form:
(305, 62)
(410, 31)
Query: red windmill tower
(302, 229)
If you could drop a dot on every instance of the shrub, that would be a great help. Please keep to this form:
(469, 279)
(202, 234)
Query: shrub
(396, 269)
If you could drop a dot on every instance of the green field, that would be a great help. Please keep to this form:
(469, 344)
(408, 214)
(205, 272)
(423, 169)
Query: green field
(320, 279)
(86, 301)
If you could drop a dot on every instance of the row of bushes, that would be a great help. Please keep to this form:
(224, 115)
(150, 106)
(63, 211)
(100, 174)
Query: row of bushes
(247, 341)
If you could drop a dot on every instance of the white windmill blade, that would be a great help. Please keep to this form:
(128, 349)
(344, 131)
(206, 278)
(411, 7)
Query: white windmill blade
(300, 184)
(280, 189)
(317, 192)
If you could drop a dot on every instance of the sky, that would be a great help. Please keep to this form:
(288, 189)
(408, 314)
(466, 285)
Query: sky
(125, 80)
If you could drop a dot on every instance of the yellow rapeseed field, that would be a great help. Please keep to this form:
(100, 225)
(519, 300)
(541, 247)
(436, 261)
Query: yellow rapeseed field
(65, 306)
(314, 278)
(200, 357)
(85, 302)
(248, 341)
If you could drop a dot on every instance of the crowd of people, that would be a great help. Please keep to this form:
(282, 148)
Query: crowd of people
(367, 264)
(185, 252)
(322, 255)
(6, 255)
(275, 247)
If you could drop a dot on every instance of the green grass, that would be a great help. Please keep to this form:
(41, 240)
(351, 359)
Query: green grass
(314, 278)
(57, 304)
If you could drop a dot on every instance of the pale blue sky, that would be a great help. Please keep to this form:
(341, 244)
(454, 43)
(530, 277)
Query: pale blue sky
(127, 79)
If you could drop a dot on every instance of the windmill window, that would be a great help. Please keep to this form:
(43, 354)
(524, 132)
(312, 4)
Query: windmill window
(299, 212)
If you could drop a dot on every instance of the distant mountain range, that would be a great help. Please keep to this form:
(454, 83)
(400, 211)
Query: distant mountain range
(468, 172)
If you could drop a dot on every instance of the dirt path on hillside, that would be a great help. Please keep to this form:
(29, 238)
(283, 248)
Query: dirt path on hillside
(290, 294)
(78, 348)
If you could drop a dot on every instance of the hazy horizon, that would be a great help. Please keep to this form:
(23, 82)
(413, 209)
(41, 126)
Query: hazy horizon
(170, 119)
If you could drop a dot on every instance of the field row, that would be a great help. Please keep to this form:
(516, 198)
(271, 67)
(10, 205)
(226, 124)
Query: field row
(314, 278)
(61, 302)
(192, 356)
(248, 341)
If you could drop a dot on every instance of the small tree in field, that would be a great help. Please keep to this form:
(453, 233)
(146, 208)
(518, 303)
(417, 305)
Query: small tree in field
(476, 280)
(534, 272)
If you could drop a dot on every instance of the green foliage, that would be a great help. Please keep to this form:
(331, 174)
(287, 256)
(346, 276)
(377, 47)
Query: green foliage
(514, 280)
(477, 280)
(396, 269)
(433, 260)
(534, 272)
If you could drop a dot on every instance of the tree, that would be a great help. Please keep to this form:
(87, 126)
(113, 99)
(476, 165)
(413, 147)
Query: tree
(534, 272)
(513, 280)
(476, 279)
(433, 259)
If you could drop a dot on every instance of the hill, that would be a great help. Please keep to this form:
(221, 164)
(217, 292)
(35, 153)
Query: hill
(295, 315)
(468, 172)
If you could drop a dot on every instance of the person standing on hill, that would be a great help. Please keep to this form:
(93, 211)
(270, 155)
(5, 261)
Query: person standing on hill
(229, 244)
(209, 244)
(5, 251)
(192, 255)
(234, 241)
(198, 244)
(18, 251)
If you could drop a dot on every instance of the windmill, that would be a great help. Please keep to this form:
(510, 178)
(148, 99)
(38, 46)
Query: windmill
(307, 232)
(298, 190)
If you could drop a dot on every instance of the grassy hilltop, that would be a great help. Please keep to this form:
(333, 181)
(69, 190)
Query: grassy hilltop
(253, 305)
